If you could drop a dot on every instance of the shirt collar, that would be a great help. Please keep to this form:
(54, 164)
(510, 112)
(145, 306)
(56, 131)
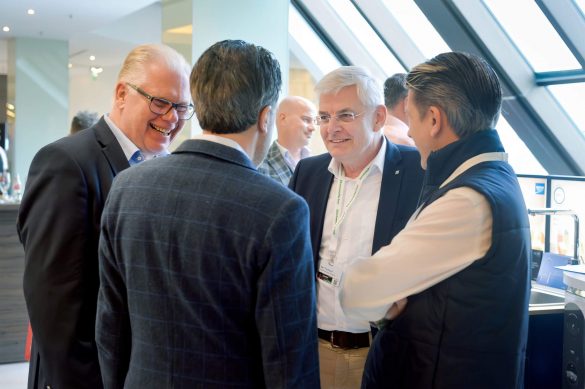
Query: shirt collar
(377, 164)
(128, 147)
(221, 140)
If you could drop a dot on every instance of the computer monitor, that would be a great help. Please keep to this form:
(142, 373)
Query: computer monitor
(535, 191)
(566, 193)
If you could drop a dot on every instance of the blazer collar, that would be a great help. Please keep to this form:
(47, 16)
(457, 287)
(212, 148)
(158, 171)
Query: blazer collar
(216, 150)
(110, 146)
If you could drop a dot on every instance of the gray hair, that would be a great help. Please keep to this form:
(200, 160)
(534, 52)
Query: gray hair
(369, 90)
(395, 90)
(463, 85)
(231, 83)
(83, 120)
(133, 67)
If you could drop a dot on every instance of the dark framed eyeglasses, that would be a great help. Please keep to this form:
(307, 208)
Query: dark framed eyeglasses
(162, 106)
(344, 116)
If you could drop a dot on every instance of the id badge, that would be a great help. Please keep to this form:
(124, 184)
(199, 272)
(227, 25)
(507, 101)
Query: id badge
(329, 273)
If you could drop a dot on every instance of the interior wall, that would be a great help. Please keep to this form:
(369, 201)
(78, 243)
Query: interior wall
(301, 83)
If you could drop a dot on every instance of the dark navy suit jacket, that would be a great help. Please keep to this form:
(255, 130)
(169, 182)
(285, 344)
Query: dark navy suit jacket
(206, 276)
(401, 185)
(59, 224)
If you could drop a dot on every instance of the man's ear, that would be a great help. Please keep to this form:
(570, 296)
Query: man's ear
(436, 116)
(380, 119)
(264, 119)
(120, 94)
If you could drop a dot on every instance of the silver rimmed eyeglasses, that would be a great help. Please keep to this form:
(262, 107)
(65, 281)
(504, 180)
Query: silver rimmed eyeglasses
(162, 106)
(345, 117)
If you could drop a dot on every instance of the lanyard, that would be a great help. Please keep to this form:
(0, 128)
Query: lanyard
(340, 210)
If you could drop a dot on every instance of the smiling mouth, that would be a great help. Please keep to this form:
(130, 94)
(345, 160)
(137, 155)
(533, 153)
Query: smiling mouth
(163, 131)
(338, 140)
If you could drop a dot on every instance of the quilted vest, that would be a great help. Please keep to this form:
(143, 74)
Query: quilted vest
(470, 330)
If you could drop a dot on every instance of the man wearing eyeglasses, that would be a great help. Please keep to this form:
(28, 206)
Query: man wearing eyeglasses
(60, 213)
(295, 123)
(360, 195)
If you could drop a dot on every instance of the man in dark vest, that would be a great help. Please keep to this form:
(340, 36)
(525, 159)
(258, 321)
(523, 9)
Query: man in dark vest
(454, 285)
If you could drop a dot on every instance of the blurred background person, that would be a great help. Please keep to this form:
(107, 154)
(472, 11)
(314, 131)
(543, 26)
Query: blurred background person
(83, 120)
(295, 123)
(396, 126)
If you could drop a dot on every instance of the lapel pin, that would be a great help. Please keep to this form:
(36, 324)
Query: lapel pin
(397, 172)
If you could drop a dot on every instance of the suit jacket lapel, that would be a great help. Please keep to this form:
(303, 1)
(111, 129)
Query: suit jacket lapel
(110, 147)
(318, 200)
(387, 205)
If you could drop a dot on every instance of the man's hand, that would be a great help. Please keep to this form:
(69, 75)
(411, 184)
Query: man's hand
(396, 309)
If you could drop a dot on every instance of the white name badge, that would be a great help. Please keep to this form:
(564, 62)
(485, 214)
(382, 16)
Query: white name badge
(329, 273)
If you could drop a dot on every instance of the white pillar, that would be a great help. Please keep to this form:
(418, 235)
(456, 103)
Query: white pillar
(38, 87)
(261, 22)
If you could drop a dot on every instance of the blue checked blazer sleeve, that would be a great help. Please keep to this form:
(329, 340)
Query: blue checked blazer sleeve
(209, 285)
(286, 309)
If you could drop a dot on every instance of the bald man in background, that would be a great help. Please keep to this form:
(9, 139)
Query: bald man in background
(295, 122)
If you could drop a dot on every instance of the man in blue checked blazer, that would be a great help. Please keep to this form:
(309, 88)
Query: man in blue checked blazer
(295, 122)
(206, 272)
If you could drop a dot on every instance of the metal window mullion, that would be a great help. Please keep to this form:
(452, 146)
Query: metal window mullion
(390, 32)
(340, 32)
(566, 18)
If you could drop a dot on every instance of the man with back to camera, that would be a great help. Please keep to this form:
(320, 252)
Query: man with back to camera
(295, 123)
(396, 126)
(206, 277)
(463, 259)
(360, 195)
(59, 217)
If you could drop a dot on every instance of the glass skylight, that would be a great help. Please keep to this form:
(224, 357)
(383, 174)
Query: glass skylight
(519, 156)
(417, 26)
(533, 34)
(367, 36)
(581, 4)
(572, 99)
(311, 43)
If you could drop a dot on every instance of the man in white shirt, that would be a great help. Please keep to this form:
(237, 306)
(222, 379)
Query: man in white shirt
(396, 126)
(463, 259)
(360, 195)
(295, 122)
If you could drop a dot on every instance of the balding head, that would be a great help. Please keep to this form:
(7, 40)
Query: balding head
(295, 122)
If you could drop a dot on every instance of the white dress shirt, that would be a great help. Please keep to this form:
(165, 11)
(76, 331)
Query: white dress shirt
(221, 140)
(437, 242)
(354, 240)
(128, 147)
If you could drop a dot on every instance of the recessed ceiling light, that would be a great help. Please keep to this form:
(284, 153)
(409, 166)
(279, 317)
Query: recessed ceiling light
(5, 28)
(70, 65)
(92, 57)
(30, 11)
